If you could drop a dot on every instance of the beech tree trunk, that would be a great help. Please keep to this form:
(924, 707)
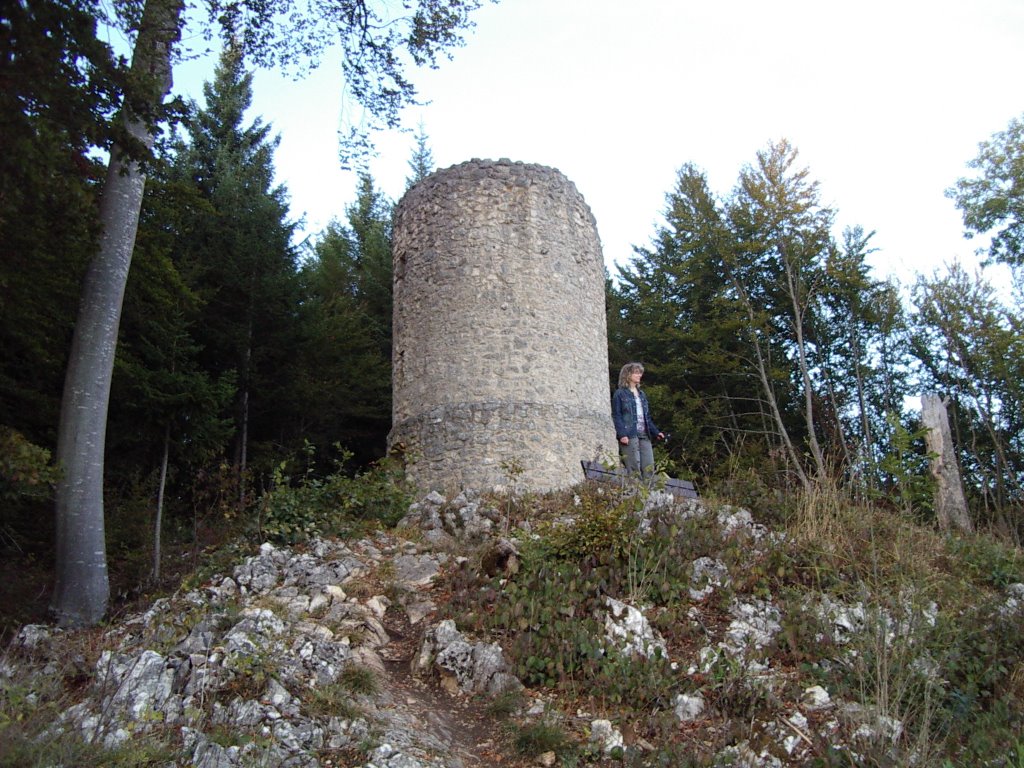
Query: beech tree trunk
(158, 523)
(950, 503)
(82, 588)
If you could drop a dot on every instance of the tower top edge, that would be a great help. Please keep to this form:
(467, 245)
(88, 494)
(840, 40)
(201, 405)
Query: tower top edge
(478, 170)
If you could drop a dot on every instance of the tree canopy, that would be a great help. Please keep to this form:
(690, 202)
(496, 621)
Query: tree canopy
(768, 343)
(377, 44)
(992, 202)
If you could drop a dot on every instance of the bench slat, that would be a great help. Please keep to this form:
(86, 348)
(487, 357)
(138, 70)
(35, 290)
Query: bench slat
(593, 470)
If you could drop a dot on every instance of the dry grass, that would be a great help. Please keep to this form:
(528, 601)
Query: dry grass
(883, 547)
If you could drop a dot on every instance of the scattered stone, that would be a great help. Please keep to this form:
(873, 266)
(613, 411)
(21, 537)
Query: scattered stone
(733, 520)
(418, 609)
(464, 667)
(688, 707)
(501, 556)
(743, 756)
(796, 723)
(34, 637)
(378, 605)
(604, 736)
(755, 625)
(418, 570)
(707, 573)
(536, 709)
(869, 724)
(629, 629)
(1014, 603)
(816, 698)
(137, 687)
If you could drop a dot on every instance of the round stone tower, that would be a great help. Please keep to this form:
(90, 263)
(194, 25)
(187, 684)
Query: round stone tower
(500, 340)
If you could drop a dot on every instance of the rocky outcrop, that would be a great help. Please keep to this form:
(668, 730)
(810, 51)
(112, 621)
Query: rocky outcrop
(257, 654)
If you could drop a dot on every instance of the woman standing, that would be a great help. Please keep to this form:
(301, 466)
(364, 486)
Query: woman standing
(633, 425)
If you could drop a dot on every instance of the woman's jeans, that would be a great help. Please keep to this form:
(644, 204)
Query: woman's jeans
(638, 455)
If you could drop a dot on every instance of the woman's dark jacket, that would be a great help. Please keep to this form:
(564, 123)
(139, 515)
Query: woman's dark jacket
(624, 414)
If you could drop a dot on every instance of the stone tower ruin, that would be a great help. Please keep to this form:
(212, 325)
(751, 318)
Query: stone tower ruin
(500, 340)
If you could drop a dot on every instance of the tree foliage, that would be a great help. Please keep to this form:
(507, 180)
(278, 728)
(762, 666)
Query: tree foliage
(421, 164)
(161, 387)
(971, 349)
(346, 320)
(674, 313)
(235, 247)
(377, 39)
(767, 341)
(992, 202)
(59, 85)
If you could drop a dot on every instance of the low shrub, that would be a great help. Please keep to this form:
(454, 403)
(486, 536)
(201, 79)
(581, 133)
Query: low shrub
(599, 529)
(359, 680)
(534, 739)
(297, 511)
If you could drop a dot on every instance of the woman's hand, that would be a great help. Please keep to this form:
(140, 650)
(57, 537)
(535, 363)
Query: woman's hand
(624, 440)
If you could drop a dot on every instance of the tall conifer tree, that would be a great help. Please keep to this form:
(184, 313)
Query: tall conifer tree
(238, 256)
(346, 313)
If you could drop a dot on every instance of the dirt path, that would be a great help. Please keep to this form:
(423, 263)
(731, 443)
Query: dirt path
(455, 727)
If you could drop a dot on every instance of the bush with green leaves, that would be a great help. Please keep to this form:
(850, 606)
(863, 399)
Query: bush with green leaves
(601, 527)
(548, 612)
(551, 611)
(25, 468)
(987, 560)
(981, 655)
(299, 510)
(27, 478)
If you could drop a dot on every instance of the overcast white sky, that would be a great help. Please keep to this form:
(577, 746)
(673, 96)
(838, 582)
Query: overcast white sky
(886, 101)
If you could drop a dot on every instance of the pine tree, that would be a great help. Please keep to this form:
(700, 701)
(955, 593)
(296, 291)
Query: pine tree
(422, 161)
(678, 316)
(239, 258)
(57, 86)
(168, 415)
(346, 317)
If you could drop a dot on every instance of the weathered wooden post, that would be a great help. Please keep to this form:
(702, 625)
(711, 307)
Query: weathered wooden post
(950, 504)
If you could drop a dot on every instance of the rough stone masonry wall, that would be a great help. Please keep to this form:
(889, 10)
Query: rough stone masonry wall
(500, 339)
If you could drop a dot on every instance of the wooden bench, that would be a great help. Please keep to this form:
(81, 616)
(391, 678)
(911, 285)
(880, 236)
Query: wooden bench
(594, 470)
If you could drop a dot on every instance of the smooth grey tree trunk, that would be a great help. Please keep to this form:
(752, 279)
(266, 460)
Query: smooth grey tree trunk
(950, 504)
(792, 286)
(158, 523)
(82, 588)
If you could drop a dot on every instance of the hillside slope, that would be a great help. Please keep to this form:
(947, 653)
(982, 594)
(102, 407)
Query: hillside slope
(570, 629)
